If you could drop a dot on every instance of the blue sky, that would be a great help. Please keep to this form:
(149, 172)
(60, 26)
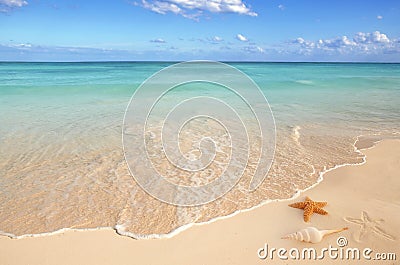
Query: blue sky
(227, 30)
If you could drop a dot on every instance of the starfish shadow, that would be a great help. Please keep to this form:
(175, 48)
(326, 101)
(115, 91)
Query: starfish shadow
(368, 225)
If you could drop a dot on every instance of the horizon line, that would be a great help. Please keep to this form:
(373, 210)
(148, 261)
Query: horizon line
(180, 61)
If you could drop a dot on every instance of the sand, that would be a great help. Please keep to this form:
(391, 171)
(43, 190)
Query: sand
(372, 188)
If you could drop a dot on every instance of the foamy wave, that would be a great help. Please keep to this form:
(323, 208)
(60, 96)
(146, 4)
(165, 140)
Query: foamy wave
(304, 82)
(121, 229)
(56, 232)
(296, 134)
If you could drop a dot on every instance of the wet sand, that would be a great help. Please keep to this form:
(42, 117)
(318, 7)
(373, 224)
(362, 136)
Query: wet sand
(371, 188)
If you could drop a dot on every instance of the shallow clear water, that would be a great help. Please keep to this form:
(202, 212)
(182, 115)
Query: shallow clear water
(61, 158)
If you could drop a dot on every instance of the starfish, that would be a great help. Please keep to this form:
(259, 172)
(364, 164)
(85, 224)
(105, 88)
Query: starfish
(310, 207)
(367, 224)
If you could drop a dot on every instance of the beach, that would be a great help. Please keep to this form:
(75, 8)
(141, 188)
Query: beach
(371, 187)
(199, 132)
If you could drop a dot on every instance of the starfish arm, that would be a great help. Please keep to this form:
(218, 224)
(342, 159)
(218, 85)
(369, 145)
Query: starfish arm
(299, 205)
(321, 204)
(308, 211)
(365, 217)
(361, 234)
(320, 211)
(354, 220)
(379, 231)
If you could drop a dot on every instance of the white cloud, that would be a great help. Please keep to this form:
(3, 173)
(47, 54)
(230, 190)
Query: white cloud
(158, 40)
(379, 17)
(19, 46)
(281, 7)
(346, 41)
(374, 37)
(8, 5)
(241, 37)
(217, 38)
(253, 49)
(161, 7)
(260, 49)
(13, 3)
(194, 8)
(299, 40)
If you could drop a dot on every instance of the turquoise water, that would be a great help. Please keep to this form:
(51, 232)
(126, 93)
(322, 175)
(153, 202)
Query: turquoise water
(61, 161)
(356, 92)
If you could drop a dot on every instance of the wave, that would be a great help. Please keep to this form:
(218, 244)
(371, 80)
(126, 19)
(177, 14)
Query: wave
(296, 134)
(305, 82)
(120, 228)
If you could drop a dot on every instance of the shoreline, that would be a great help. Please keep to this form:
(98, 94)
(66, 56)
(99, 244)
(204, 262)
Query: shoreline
(236, 240)
(370, 143)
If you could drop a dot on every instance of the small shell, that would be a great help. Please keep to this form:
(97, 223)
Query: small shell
(311, 234)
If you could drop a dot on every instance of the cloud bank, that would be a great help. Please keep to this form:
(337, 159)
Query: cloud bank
(360, 44)
(362, 47)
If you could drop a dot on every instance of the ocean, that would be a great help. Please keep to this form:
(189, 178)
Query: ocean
(62, 161)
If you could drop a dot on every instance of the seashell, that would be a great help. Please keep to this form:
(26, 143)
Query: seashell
(312, 234)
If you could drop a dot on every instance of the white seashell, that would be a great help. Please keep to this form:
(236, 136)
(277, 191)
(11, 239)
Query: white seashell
(311, 234)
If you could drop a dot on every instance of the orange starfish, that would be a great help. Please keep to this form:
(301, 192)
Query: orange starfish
(310, 207)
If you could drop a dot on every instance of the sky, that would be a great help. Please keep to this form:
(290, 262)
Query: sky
(179, 30)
